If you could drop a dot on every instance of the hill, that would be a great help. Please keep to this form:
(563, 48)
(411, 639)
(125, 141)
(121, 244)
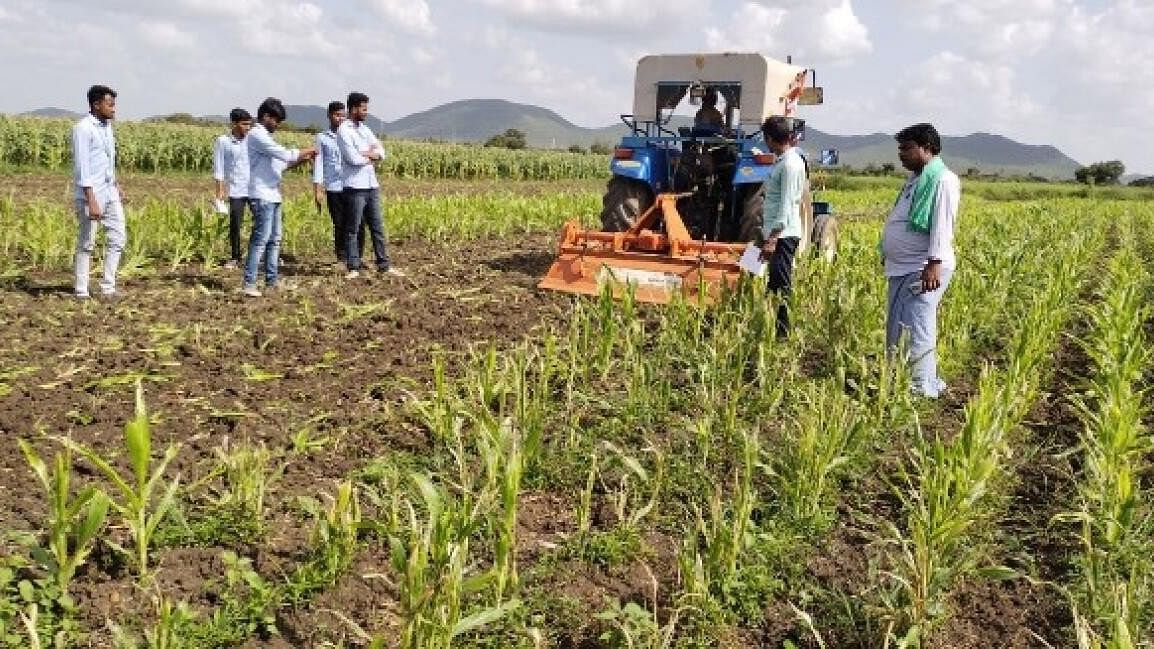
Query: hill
(54, 112)
(476, 120)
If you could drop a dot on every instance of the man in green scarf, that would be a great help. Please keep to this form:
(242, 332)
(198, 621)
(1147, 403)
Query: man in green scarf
(918, 253)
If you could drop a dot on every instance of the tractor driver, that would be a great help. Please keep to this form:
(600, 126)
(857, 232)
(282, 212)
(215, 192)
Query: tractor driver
(708, 116)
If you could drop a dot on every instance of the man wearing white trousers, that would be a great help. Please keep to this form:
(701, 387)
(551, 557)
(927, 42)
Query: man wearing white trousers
(918, 252)
(99, 200)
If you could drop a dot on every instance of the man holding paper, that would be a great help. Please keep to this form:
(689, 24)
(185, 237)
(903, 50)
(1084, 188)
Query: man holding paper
(781, 219)
(918, 253)
(230, 171)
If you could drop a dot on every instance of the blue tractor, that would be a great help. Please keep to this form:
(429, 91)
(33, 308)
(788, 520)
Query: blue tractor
(718, 163)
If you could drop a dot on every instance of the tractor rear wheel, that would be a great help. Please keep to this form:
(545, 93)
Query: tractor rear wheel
(751, 206)
(825, 237)
(624, 201)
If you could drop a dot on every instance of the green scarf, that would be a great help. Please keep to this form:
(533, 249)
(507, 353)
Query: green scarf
(925, 193)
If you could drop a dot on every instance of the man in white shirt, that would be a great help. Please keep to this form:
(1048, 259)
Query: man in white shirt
(99, 199)
(360, 148)
(328, 186)
(230, 171)
(918, 253)
(267, 160)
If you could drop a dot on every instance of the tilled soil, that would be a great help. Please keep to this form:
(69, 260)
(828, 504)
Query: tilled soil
(332, 357)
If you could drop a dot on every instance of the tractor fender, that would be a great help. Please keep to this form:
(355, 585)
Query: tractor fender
(639, 167)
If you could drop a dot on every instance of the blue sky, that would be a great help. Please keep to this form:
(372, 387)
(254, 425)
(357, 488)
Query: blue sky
(1073, 73)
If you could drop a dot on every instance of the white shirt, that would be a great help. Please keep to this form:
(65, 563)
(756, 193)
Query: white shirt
(327, 166)
(907, 251)
(94, 159)
(264, 176)
(357, 171)
(230, 164)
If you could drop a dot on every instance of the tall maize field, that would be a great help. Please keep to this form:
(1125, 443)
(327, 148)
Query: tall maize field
(27, 142)
(457, 459)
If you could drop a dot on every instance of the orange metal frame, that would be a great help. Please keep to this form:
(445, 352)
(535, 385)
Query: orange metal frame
(654, 265)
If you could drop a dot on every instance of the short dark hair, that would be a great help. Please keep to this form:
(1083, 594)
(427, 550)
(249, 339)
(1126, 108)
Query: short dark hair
(272, 107)
(96, 93)
(335, 106)
(239, 115)
(923, 135)
(357, 98)
(778, 128)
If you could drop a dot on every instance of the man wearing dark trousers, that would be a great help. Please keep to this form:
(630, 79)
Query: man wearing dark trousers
(360, 148)
(781, 221)
(327, 183)
(230, 171)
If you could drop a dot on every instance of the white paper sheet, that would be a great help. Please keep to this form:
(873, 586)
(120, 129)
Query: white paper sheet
(220, 206)
(751, 260)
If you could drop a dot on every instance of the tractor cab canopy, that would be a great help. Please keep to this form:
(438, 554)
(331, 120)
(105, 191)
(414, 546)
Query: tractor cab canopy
(751, 84)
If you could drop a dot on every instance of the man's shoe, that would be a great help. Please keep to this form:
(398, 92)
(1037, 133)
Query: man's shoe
(352, 274)
(251, 291)
(395, 272)
(231, 264)
(82, 296)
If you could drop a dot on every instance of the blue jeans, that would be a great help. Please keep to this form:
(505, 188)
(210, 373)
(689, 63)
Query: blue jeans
(364, 207)
(914, 313)
(267, 228)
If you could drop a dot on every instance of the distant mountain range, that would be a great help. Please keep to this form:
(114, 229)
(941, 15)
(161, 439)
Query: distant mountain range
(476, 120)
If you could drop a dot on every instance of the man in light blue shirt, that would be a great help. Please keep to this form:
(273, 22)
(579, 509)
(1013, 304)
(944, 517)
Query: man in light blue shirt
(360, 148)
(267, 160)
(328, 185)
(98, 196)
(230, 171)
(781, 218)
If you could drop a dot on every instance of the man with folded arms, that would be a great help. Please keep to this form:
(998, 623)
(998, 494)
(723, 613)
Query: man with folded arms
(360, 148)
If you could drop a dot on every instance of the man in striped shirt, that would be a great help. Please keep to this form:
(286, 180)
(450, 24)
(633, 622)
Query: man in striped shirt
(327, 183)
(230, 171)
(360, 148)
(99, 199)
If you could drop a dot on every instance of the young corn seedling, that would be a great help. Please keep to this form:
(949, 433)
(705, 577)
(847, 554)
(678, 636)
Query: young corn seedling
(143, 498)
(73, 521)
(627, 499)
(247, 472)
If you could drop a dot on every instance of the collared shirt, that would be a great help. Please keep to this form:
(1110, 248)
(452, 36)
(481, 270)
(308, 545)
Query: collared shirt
(327, 166)
(357, 171)
(94, 159)
(230, 164)
(907, 251)
(783, 192)
(264, 176)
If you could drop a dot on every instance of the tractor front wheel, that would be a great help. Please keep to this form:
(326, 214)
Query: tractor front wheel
(624, 201)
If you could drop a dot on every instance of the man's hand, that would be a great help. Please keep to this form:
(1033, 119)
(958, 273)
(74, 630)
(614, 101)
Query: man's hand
(319, 194)
(95, 213)
(123, 196)
(768, 247)
(932, 276)
(372, 154)
(308, 153)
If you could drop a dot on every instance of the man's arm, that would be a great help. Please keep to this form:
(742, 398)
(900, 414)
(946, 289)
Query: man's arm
(81, 145)
(350, 155)
(218, 167)
(949, 194)
(264, 143)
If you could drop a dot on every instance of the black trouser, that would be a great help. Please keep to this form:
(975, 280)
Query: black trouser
(235, 218)
(780, 279)
(365, 208)
(339, 213)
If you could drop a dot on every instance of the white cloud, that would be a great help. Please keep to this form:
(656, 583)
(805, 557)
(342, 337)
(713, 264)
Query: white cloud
(815, 33)
(412, 15)
(165, 35)
(291, 30)
(604, 18)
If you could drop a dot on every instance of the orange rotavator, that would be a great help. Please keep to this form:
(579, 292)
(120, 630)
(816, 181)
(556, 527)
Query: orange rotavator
(656, 264)
(682, 206)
